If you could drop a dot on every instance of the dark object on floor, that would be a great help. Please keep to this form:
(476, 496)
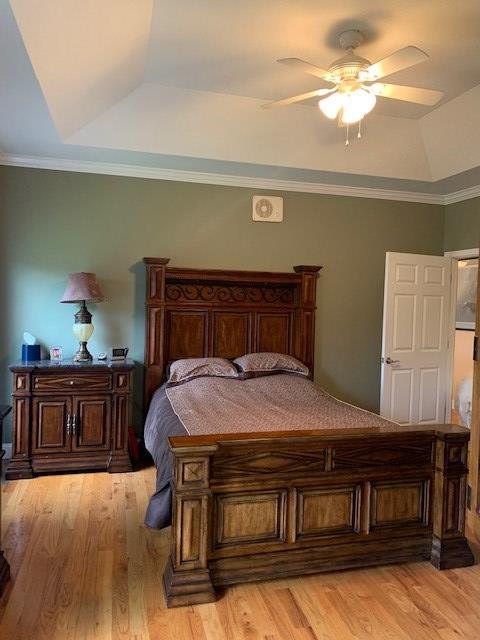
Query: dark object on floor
(4, 568)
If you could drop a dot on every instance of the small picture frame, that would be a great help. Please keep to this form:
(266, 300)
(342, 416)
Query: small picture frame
(56, 353)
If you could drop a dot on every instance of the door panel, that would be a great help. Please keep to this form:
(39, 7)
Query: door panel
(50, 416)
(415, 338)
(432, 325)
(91, 423)
(401, 401)
(429, 392)
(404, 315)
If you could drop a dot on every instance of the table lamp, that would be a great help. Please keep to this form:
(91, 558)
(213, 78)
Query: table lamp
(82, 287)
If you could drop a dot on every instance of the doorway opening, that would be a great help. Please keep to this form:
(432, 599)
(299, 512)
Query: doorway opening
(464, 299)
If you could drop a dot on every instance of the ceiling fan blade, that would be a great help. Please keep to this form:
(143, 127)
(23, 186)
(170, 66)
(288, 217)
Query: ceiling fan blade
(306, 67)
(299, 98)
(401, 59)
(408, 94)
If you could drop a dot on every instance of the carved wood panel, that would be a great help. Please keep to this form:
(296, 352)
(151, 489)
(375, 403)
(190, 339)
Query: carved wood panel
(327, 511)
(455, 455)
(190, 532)
(367, 455)
(187, 334)
(20, 382)
(190, 527)
(56, 383)
(120, 421)
(92, 423)
(455, 505)
(21, 431)
(258, 463)
(274, 332)
(192, 473)
(250, 518)
(231, 333)
(399, 503)
(225, 294)
(50, 421)
(121, 382)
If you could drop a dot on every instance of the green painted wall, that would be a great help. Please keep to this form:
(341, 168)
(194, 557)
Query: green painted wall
(57, 222)
(462, 225)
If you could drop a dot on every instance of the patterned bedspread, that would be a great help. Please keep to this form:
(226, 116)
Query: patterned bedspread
(270, 403)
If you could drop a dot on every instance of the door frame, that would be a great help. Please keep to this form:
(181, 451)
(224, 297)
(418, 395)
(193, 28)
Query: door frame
(462, 254)
(473, 504)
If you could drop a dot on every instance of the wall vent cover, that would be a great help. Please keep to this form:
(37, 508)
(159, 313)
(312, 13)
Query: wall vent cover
(267, 209)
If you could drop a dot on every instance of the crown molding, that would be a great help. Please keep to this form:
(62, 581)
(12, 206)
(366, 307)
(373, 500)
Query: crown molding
(463, 194)
(178, 175)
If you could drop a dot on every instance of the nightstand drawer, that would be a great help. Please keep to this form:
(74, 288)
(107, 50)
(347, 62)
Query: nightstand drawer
(90, 382)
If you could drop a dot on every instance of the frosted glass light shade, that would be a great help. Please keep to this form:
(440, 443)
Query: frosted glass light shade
(82, 332)
(356, 105)
(331, 106)
(353, 105)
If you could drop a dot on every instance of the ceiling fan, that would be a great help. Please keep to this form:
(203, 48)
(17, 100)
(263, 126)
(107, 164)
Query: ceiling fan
(356, 81)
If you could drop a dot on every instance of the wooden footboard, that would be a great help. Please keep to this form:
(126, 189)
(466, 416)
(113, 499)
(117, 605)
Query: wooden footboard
(259, 506)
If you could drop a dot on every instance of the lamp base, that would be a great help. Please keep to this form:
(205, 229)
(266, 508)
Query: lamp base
(83, 354)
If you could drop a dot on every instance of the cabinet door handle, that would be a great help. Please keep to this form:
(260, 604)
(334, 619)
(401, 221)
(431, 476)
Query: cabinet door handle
(74, 424)
(69, 423)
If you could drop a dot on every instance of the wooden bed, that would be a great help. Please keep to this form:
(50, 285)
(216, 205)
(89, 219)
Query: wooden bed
(264, 505)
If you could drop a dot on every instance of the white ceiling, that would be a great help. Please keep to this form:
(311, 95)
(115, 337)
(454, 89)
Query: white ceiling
(181, 84)
(214, 46)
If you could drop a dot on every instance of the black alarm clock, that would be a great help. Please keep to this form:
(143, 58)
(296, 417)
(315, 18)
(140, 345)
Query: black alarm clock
(119, 353)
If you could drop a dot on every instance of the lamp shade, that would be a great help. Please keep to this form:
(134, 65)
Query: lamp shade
(82, 286)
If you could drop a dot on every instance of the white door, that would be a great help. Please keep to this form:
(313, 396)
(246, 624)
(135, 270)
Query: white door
(416, 314)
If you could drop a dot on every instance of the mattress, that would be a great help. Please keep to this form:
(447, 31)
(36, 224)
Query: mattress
(212, 405)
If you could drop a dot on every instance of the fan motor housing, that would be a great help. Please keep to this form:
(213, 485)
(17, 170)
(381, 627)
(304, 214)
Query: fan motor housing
(348, 67)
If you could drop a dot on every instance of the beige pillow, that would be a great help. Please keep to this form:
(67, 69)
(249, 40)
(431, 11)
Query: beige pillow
(189, 368)
(253, 364)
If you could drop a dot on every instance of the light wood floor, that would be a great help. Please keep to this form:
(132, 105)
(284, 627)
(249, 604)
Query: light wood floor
(84, 566)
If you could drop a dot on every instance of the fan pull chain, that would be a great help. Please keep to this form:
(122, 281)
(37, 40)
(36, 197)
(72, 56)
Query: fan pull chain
(347, 141)
(359, 134)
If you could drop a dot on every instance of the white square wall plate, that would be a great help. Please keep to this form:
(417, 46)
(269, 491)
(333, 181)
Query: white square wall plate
(267, 209)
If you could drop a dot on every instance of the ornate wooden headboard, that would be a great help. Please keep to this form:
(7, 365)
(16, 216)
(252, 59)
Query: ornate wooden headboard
(193, 313)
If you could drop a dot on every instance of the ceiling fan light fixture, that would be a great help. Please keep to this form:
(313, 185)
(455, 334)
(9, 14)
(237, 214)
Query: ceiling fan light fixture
(352, 105)
(350, 100)
(331, 106)
(357, 104)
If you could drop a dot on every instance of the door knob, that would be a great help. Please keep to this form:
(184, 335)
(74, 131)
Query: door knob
(388, 360)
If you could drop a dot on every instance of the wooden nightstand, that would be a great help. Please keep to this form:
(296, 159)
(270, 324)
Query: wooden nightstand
(70, 416)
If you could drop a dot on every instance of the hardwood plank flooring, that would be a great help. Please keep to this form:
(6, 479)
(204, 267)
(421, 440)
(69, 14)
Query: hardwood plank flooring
(85, 567)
